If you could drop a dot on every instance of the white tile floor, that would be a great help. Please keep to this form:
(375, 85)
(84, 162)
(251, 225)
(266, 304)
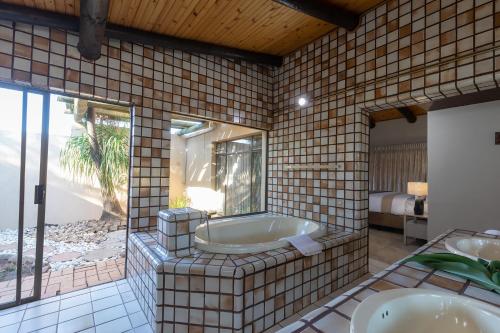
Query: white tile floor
(110, 307)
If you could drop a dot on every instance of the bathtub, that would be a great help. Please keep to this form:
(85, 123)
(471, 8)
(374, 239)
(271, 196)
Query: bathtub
(254, 233)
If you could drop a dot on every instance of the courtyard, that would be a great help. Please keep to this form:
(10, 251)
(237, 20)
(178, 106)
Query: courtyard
(75, 256)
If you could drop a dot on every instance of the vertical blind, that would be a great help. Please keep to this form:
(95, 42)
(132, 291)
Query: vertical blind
(239, 173)
(393, 166)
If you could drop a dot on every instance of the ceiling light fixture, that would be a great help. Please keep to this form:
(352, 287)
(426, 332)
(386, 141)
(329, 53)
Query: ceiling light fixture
(302, 101)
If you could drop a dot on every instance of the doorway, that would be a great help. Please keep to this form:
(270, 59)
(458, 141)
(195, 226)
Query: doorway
(63, 194)
(397, 169)
(23, 151)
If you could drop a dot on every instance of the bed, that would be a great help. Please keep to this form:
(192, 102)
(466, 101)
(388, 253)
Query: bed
(386, 209)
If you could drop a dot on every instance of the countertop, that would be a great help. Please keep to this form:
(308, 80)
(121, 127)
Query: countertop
(335, 316)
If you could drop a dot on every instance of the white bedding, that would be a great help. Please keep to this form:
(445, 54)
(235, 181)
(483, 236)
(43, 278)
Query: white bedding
(401, 202)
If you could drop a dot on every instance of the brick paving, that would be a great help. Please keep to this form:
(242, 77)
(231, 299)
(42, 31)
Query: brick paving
(66, 280)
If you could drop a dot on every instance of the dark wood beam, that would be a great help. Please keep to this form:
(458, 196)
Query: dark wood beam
(324, 10)
(482, 96)
(66, 22)
(93, 17)
(408, 114)
(371, 122)
(189, 45)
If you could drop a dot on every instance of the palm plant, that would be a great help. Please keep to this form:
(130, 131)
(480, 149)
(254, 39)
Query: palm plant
(100, 153)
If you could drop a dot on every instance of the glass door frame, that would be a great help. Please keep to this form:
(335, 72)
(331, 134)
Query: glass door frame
(40, 197)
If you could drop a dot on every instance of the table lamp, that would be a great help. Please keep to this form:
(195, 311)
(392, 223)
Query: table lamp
(420, 191)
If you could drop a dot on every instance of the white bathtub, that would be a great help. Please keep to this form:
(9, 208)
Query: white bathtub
(254, 233)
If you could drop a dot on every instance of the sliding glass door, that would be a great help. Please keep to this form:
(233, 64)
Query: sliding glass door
(23, 155)
(238, 174)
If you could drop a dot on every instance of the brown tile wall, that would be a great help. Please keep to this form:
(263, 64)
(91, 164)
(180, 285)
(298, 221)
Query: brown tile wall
(157, 81)
(404, 52)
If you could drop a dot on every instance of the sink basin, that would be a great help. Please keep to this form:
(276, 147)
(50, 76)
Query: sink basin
(474, 247)
(423, 311)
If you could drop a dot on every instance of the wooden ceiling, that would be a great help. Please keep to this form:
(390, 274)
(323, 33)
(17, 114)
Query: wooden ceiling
(390, 114)
(255, 25)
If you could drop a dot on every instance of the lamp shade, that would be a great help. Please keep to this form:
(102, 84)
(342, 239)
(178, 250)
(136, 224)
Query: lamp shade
(419, 189)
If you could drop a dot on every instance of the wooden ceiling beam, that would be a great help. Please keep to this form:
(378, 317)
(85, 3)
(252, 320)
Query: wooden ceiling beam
(408, 114)
(67, 22)
(325, 11)
(371, 122)
(93, 18)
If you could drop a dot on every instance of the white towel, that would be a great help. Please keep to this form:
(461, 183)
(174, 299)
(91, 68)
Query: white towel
(493, 232)
(305, 244)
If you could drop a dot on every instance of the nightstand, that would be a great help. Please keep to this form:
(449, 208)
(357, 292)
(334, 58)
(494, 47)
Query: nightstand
(415, 226)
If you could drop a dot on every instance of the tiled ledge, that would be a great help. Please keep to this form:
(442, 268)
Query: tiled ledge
(335, 316)
(234, 265)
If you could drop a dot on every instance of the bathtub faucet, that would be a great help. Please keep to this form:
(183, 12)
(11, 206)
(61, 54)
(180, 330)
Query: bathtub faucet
(208, 228)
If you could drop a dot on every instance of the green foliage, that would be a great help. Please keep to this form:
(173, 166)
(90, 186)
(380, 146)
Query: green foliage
(481, 271)
(76, 158)
(179, 202)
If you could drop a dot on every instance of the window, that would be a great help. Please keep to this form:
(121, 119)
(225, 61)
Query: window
(239, 174)
(217, 167)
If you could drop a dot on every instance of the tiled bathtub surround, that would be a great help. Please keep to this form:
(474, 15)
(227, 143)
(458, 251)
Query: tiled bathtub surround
(176, 228)
(238, 293)
(335, 316)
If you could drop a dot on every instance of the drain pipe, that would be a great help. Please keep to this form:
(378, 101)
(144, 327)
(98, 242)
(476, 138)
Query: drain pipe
(93, 17)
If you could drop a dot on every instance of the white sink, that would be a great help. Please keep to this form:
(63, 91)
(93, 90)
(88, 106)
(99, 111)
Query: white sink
(423, 311)
(474, 247)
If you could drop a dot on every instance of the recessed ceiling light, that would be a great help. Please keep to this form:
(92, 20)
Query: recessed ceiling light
(302, 101)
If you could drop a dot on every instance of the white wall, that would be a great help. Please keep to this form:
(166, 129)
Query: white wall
(177, 179)
(399, 131)
(464, 168)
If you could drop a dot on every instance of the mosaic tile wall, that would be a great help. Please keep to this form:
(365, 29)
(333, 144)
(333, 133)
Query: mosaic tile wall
(404, 52)
(155, 80)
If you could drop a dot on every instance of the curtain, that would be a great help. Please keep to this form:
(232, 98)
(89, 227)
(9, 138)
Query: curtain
(238, 184)
(393, 166)
(239, 174)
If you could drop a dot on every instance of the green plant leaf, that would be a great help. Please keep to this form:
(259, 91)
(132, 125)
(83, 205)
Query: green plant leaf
(483, 262)
(494, 266)
(495, 277)
(448, 257)
(112, 173)
(460, 266)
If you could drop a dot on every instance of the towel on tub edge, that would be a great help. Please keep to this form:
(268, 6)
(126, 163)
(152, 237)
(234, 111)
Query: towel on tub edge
(305, 244)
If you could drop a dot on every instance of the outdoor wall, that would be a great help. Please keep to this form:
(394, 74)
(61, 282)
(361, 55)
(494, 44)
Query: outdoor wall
(198, 182)
(81, 199)
(399, 131)
(177, 179)
(464, 184)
